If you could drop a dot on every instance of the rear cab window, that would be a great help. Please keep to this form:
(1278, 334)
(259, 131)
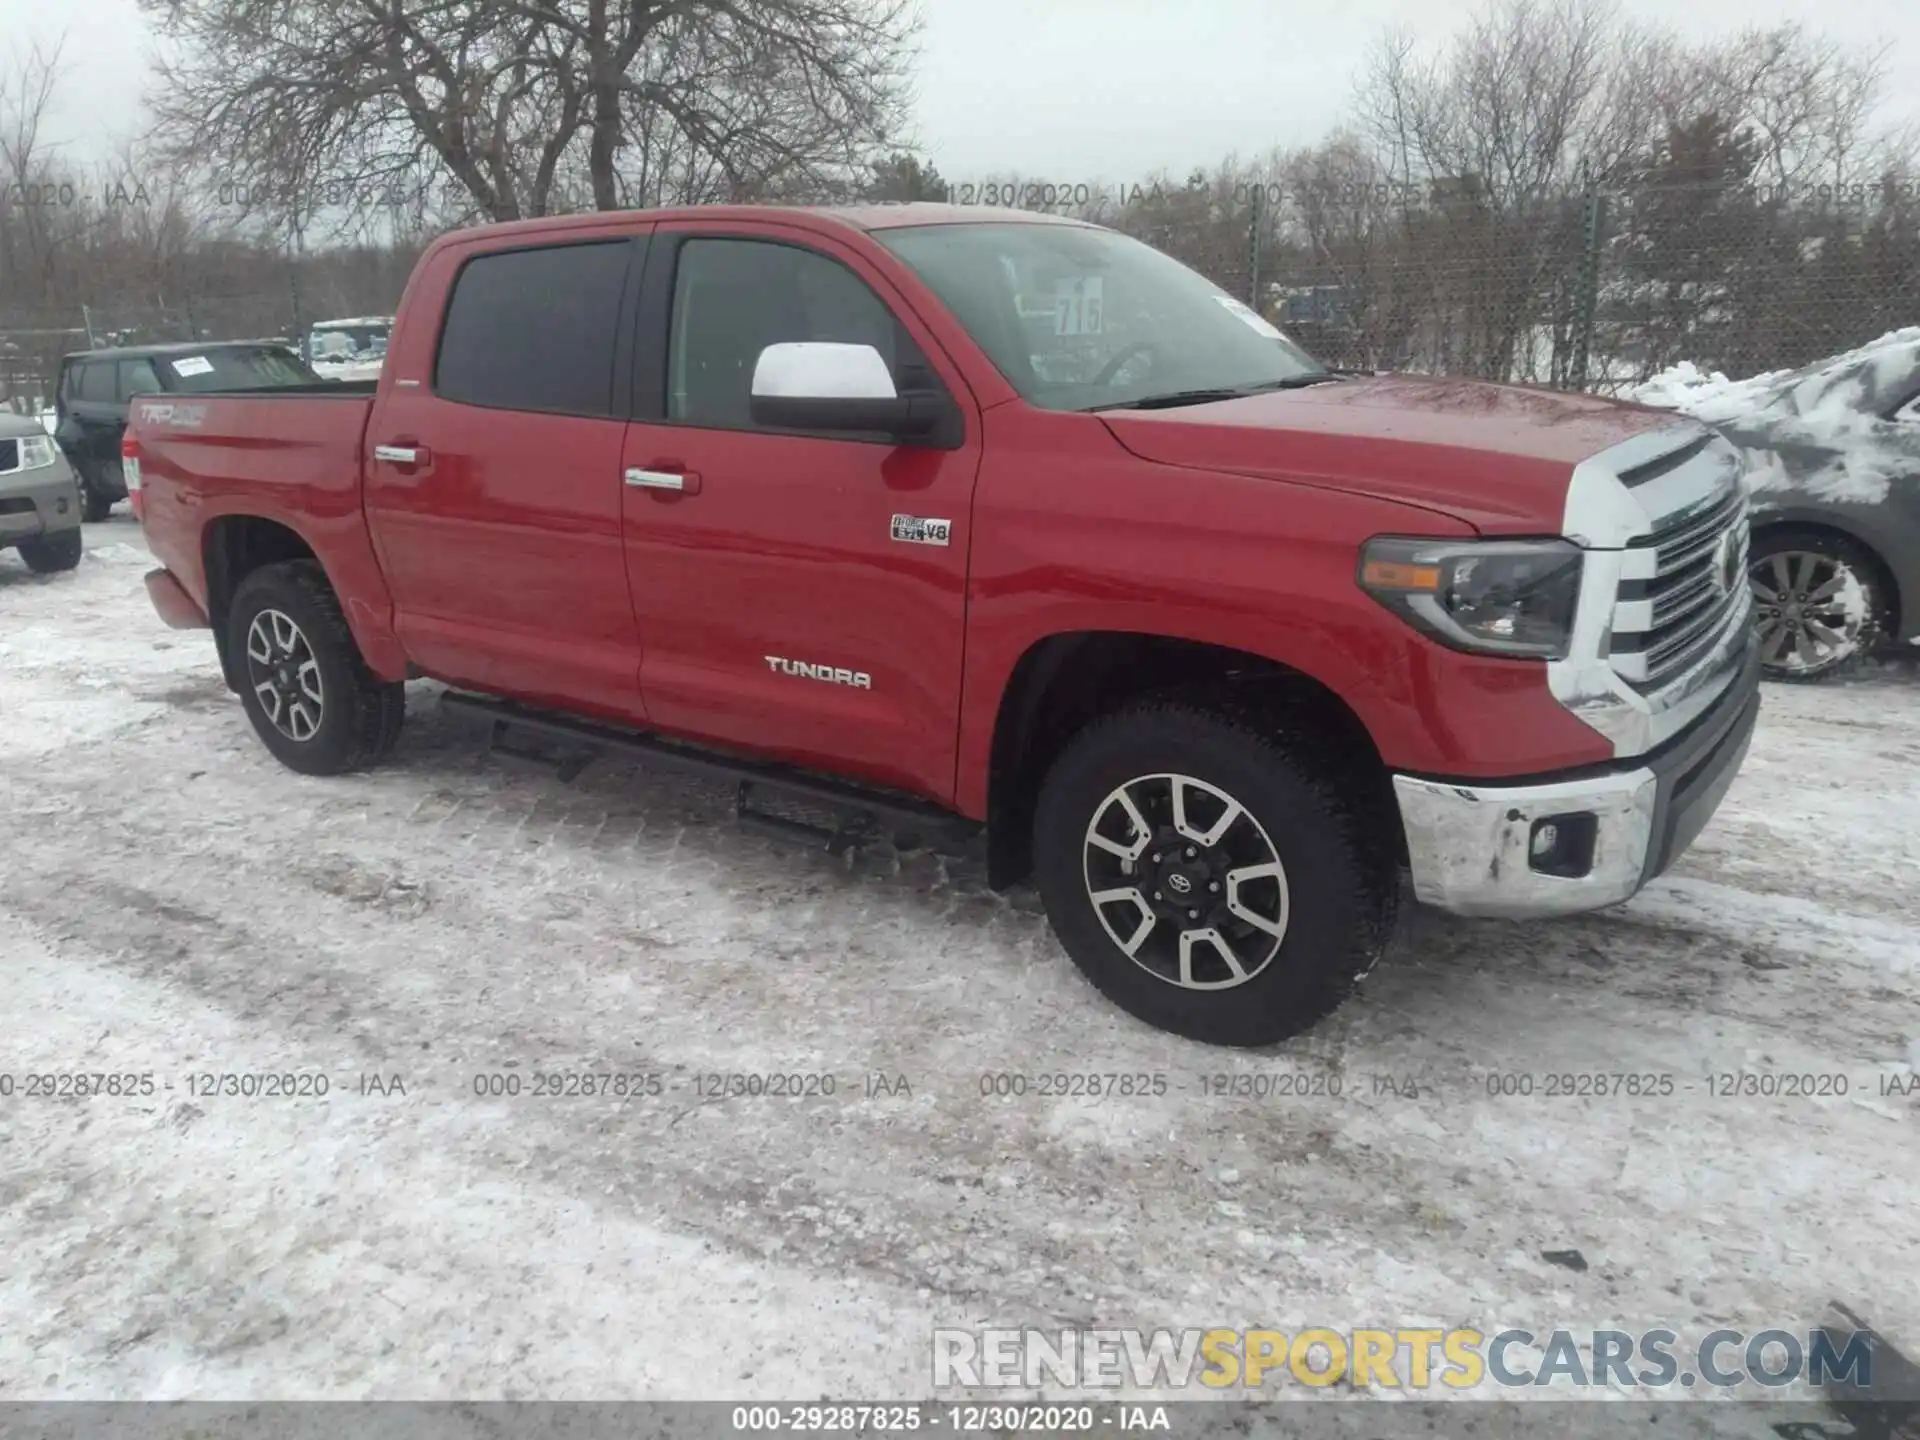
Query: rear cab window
(535, 329)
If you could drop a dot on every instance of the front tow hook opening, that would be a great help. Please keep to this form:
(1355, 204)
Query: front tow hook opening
(1563, 845)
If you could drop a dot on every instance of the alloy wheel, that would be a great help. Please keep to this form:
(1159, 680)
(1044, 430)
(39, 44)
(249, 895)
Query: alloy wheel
(1186, 882)
(284, 675)
(1811, 610)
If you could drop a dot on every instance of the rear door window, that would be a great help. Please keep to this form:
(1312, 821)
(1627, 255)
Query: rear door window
(535, 329)
(96, 382)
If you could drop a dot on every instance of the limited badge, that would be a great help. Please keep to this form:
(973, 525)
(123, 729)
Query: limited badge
(920, 530)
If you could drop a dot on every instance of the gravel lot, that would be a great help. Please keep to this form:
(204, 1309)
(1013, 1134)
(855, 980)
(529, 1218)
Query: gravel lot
(174, 902)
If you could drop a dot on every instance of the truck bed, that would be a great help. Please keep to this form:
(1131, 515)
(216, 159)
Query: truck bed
(288, 456)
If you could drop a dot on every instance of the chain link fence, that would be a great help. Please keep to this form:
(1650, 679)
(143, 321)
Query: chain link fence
(1594, 291)
(32, 339)
(1591, 292)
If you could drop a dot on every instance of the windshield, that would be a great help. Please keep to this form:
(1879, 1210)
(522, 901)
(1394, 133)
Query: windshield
(251, 367)
(1078, 318)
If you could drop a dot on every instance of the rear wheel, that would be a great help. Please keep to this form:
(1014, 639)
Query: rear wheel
(1210, 879)
(308, 692)
(1818, 602)
(95, 505)
(46, 554)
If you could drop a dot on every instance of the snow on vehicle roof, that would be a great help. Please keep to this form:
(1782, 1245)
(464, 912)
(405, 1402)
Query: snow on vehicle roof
(1878, 369)
(1821, 429)
(361, 321)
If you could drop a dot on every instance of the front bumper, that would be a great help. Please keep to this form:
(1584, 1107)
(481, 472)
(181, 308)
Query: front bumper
(1471, 847)
(37, 502)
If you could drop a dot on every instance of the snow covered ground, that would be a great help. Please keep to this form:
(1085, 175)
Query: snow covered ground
(173, 902)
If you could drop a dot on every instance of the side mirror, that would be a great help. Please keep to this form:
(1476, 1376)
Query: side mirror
(826, 385)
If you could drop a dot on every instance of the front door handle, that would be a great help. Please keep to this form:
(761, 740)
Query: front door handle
(683, 482)
(402, 454)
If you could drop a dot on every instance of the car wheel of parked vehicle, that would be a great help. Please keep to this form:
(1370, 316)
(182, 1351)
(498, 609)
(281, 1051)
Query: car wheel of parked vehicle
(1206, 879)
(306, 688)
(1817, 602)
(94, 506)
(48, 553)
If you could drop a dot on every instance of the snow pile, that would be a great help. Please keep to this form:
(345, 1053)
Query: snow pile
(1706, 394)
(1821, 429)
(1863, 378)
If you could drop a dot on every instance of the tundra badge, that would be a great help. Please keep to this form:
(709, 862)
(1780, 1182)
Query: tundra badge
(832, 674)
(919, 530)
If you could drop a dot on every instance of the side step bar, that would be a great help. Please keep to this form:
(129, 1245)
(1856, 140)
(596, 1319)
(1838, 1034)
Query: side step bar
(860, 811)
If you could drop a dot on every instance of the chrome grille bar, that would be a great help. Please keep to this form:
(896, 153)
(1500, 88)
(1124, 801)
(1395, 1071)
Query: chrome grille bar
(1668, 621)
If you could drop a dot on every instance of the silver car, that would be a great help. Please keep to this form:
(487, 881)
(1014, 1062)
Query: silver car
(39, 498)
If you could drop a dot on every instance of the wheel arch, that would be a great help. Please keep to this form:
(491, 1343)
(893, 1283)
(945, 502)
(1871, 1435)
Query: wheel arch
(1063, 682)
(232, 548)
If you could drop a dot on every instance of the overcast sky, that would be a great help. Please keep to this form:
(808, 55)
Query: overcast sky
(1062, 90)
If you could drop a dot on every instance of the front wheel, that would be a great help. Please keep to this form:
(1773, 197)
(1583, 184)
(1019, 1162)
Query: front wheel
(1817, 603)
(46, 554)
(1210, 879)
(310, 696)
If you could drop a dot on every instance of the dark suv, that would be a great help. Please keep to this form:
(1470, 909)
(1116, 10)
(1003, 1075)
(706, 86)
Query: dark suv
(96, 385)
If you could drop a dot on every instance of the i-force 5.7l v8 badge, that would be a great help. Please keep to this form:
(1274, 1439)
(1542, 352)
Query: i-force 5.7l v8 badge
(921, 530)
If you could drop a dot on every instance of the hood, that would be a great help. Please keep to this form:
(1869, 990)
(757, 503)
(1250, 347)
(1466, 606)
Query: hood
(1496, 456)
(14, 426)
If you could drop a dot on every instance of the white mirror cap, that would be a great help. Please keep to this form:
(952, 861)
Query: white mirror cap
(822, 370)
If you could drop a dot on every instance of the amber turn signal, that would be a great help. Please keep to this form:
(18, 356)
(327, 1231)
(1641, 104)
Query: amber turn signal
(1394, 575)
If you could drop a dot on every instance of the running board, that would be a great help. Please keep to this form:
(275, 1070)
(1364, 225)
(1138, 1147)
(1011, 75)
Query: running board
(566, 763)
(849, 830)
(858, 809)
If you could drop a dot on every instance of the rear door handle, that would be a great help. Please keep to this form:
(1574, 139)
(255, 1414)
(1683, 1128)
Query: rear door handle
(402, 454)
(684, 482)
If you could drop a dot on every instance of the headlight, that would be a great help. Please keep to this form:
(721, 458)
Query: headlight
(1497, 597)
(37, 452)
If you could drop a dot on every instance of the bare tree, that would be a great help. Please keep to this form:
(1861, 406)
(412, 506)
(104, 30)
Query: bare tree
(523, 107)
(1490, 146)
(1806, 103)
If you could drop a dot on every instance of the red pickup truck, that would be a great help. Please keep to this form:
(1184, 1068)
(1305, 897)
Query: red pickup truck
(941, 514)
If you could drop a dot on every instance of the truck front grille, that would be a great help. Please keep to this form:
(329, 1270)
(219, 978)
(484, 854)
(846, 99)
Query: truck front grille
(1683, 590)
(9, 455)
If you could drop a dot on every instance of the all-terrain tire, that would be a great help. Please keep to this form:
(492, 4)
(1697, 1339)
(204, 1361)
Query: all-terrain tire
(46, 554)
(359, 714)
(1341, 882)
